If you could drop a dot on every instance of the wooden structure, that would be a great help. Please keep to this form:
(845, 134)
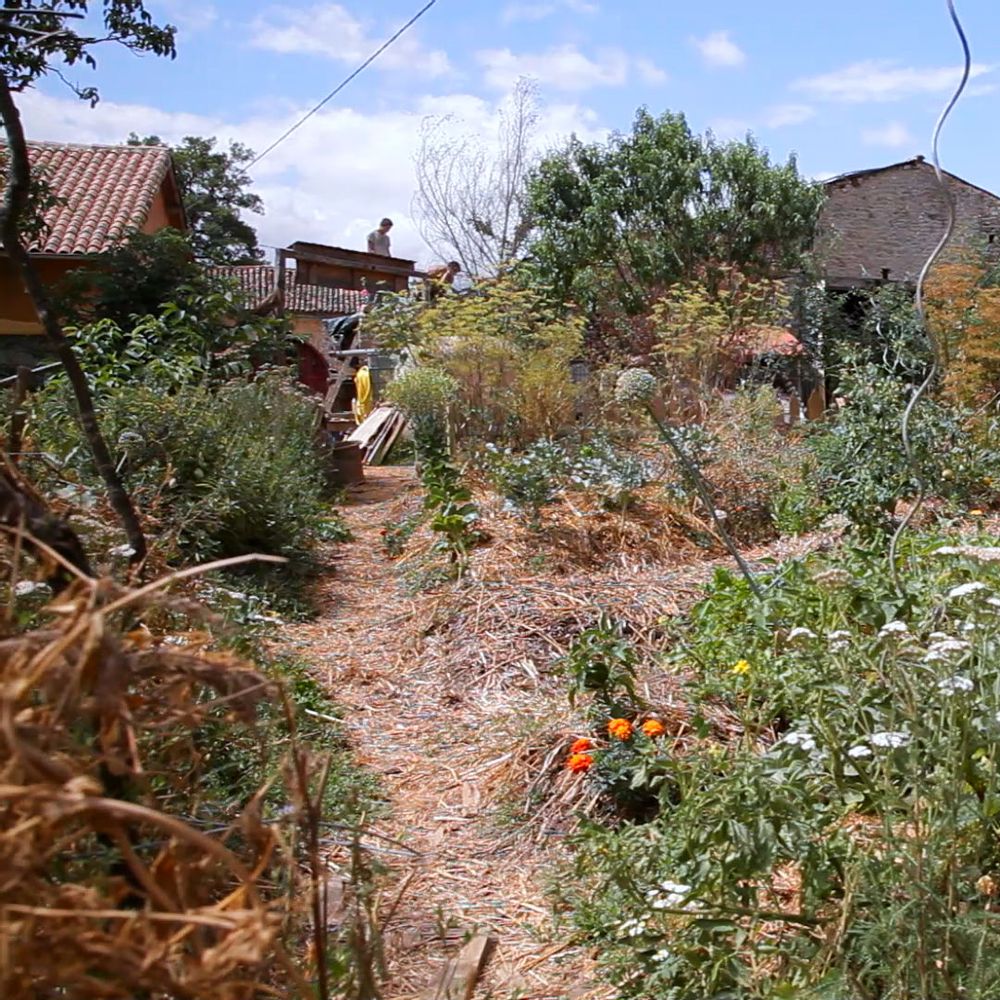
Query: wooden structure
(335, 267)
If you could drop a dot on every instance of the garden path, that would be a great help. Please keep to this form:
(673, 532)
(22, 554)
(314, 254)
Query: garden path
(448, 702)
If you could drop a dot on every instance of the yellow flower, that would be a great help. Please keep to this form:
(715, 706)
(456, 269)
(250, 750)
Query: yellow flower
(740, 667)
(620, 729)
(977, 512)
(653, 728)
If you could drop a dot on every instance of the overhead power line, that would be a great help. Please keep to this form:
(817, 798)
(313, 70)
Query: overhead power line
(340, 86)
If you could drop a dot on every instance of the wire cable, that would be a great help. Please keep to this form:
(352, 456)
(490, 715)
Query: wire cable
(919, 300)
(340, 86)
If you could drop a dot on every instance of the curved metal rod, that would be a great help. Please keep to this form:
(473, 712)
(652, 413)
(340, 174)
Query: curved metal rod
(919, 300)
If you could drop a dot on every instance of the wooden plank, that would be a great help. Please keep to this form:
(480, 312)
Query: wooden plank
(370, 426)
(341, 375)
(459, 977)
(381, 447)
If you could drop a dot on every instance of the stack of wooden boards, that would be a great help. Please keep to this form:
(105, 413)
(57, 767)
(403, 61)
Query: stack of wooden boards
(378, 433)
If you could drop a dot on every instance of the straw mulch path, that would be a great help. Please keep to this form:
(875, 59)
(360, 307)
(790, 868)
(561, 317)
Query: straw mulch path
(450, 700)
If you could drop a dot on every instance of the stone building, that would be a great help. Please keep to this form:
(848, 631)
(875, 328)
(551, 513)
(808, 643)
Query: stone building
(881, 224)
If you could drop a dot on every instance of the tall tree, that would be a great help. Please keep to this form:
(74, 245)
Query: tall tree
(620, 221)
(213, 185)
(470, 202)
(35, 38)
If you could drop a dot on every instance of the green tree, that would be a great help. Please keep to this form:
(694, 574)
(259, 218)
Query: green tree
(618, 222)
(36, 39)
(133, 279)
(213, 184)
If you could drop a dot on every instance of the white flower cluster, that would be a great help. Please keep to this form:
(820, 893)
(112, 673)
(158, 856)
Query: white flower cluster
(670, 896)
(800, 738)
(894, 628)
(955, 684)
(965, 589)
(633, 928)
(945, 648)
(635, 385)
(981, 553)
(839, 640)
(801, 632)
(890, 739)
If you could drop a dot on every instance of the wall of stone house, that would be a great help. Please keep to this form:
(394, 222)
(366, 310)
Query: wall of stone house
(885, 224)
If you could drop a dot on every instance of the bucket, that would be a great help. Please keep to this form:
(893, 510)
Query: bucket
(348, 464)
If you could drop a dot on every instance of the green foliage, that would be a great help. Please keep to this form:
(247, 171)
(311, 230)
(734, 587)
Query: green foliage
(425, 394)
(148, 300)
(618, 222)
(529, 480)
(602, 661)
(863, 467)
(846, 846)
(213, 186)
(611, 473)
(229, 472)
(134, 278)
(34, 46)
(506, 348)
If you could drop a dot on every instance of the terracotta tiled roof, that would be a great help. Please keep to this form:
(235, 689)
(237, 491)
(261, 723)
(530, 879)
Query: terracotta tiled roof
(104, 191)
(257, 281)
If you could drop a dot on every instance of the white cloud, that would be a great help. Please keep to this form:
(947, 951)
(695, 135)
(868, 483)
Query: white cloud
(190, 15)
(729, 128)
(565, 67)
(330, 30)
(649, 72)
(893, 135)
(718, 49)
(527, 11)
(882, 80)
(782, 115)
(330, 181)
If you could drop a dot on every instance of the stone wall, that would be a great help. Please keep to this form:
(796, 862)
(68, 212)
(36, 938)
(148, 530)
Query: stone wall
(883, 224)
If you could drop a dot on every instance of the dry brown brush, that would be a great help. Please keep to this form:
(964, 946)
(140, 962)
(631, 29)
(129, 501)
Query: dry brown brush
(115, 881)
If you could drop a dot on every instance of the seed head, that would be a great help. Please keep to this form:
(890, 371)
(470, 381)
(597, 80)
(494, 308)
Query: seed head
(635, 385)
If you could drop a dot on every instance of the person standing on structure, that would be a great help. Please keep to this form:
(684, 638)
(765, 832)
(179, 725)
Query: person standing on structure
(378, 239)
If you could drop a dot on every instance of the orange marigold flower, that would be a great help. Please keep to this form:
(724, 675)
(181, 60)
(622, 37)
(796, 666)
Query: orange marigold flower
(653, 728)
(620, 729)
(582, 746)
(579, 762)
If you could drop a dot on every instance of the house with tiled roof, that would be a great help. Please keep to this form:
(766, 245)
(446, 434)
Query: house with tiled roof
(102, 194)
(304, 303)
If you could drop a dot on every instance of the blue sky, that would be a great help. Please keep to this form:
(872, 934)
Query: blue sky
(845, 86)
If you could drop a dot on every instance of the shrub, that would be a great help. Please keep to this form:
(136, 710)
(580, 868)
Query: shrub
(508, 351)
(610, 473)
(425, 395)
(228, 472)
(863, 466)
(529, 480)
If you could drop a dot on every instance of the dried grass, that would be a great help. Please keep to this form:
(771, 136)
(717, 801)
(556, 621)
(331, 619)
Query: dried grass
(452, 698)
(104, 890)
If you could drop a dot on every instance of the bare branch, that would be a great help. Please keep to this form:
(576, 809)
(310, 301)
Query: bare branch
(470, 201)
